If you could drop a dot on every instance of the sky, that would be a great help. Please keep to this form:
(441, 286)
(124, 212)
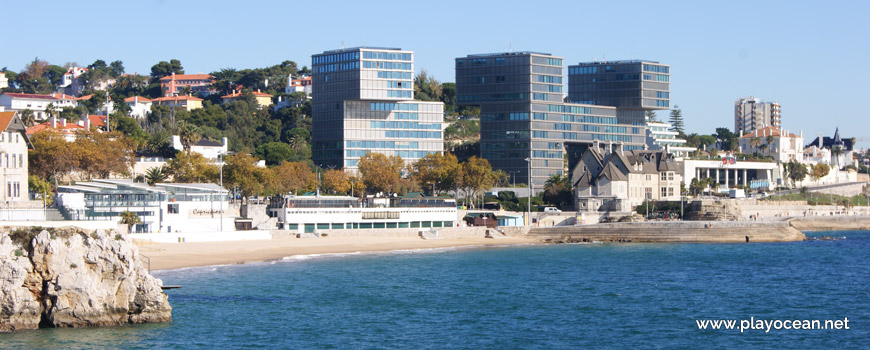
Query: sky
(810, 56)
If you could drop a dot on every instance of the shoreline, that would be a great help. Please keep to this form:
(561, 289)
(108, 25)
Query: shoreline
(171, 256)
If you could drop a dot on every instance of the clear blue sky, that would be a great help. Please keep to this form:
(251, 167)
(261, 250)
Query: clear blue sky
(810, 56)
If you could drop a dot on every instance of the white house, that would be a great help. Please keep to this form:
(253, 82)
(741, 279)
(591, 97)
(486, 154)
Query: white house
(4, 81)
(303, 84)
(207, 148)
(37, 104)
(659, 136)
(139, 106)
(13, 157)
(773, 141)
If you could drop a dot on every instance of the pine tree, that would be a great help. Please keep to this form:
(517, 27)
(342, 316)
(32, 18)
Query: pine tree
(651, 116)
(676, 119)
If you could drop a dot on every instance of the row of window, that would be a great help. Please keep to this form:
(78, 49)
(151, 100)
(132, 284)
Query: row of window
(547, 154)
(405, 125)
(399, 84)
(352, 153)
(347, 56)
(7, 136)
(386, 56)
(383, 106)
(539, 97)
(386, 65)
(549, 79)
(382, 144)
(369, 225)
(656, 77)
(606, 137)
(569, 109)
(572, 70)
(413, 134)
(17, 161)
(656, 69)
(399, 93)
(406, 116)
(394, 75)
(340, 67)
(13, 189)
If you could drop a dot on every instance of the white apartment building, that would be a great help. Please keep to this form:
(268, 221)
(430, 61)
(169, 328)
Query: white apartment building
(37, 104)
(751, 114)
(13, 158)
(660, 137)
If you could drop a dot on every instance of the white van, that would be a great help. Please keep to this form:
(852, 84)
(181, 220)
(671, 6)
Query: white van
(552, 210)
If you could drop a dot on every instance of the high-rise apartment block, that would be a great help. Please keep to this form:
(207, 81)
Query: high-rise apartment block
(363, 101)
(523, 115)
(633, 87)
(752, 114)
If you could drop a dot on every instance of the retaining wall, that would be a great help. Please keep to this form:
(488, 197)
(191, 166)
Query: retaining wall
(684, 231)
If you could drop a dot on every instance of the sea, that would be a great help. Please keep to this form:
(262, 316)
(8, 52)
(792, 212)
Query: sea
(570, 296)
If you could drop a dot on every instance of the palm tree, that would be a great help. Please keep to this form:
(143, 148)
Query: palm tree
(27, 118)
(755, 142)
(297, 142)
(156, 175)
(189, 135)
(769, 147)
(836, 151)
(130, 218)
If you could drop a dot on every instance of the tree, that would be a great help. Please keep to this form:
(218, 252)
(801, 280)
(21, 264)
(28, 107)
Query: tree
(651, 116)
(820, 170)
(380, 173)
(796, 171)
(336, 181)
(191, 167)
(436, 169)
(755, 142)
(727, 139)
(40, 187)
(676, 119)
(769, 140)
(51, 156)
(240, 171)
(116, 69)
(477, 177)
(163, 68)
(426, 88)
(275, 152)
(27, 118)
(129, 218)
(156, 175)
(294, 176)
(558, 190)
(189, 135)
(836, 152)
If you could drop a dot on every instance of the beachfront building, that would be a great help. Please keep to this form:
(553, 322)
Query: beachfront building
(14, 145)
(198, 84)
(363, 101)
(609, 178)
(167, 207)
(751, 114)
(523, 117)
(774, 142)
(307, 214)
(729, 172)
(659, 136)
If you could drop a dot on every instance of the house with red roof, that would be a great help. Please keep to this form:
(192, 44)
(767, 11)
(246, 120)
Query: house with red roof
(263, 99)
(18, 102)
(187, 103)
(139, 106)
(4, 81)
(14, 145)
(199, 84)
(303, 84)
(773, 141)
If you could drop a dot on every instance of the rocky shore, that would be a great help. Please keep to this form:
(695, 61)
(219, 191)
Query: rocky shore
(67, 277)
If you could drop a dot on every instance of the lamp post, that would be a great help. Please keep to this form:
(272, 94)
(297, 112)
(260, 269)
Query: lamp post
(529, 160)
(221, 166)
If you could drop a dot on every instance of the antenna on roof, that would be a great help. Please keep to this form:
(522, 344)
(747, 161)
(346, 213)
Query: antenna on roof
(342, 44)
(510, 47)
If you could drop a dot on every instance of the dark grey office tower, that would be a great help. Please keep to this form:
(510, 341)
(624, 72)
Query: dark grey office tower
(523, 116)
(633, 87)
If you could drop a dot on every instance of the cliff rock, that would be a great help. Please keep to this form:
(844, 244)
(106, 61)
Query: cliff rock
(71, 278)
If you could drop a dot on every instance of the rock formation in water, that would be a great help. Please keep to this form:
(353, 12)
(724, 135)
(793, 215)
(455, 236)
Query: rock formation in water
(67, 277)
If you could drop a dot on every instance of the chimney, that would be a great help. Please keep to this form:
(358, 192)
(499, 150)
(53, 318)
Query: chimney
(820, 140)
(53, 122)
(87, 123)
(63, 122)
(756, 132)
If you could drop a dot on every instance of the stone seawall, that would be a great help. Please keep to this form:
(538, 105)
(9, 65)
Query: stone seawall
(684, 231)
(443, 232)
(831, 223)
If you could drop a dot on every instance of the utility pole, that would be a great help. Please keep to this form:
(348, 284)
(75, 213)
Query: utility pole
(221, 159)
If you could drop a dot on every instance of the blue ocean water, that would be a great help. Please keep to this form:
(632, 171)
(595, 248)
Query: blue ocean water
(528, 297)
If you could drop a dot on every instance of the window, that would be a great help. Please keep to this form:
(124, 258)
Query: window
(648, 192)
(664, 191)
(172, 208)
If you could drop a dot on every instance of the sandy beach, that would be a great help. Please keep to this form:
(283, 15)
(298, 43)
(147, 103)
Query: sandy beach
(166, 256)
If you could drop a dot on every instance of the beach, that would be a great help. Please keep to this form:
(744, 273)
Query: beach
(167, 256)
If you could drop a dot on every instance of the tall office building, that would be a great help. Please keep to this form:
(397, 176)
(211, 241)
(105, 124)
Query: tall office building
(363, 101)
(633, 87)
(752, 114)
(523, 116)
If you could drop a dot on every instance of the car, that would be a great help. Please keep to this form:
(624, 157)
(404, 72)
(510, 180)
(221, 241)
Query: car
(552, 210)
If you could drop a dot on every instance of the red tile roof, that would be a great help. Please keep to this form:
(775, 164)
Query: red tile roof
(97, 120)
(69, 128)
(5, 120)
(62, 96)
(255, 93)
(767, 131)
(133, 99)
(31, 96)
(188, 77)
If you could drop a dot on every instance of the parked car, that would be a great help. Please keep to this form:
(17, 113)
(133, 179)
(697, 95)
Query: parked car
(552, 210)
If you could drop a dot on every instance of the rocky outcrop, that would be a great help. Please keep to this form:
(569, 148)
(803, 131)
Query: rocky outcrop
(71, 278)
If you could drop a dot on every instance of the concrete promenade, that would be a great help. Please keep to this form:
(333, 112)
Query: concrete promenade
(672, 231)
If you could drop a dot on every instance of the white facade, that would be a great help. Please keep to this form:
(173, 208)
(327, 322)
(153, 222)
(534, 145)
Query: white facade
(780, 144)
(167, 207)
(35, 103)
(729, 175)
(139, 106)
(4, 81)
(13, 158)
(659, 136)
(208, 149)
(751, 114)
(314, 214)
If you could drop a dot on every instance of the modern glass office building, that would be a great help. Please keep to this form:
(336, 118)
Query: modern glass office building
(523, 116)
(633, 87)
(363, 101)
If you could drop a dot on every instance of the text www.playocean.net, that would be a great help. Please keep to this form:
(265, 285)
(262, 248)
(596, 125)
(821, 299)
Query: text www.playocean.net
(768, 325)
